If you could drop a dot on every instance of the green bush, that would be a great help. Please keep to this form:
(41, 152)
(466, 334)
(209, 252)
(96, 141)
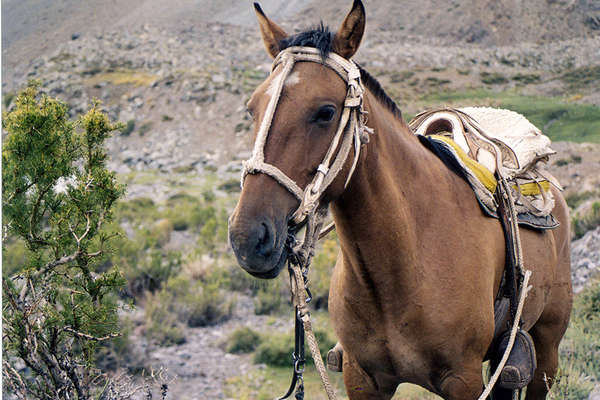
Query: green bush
(270, 298)
(587, 222)
(188, 212)
(147, 270)
(526, 78)
(57, 198)
(8, 99)
(230, 186)
(162, 324)
(580, 348)
(14, 256)
(145, 128)
(276, 349)
(182, 302)
(321, 270)
(213, 234)
(492, 78)
(128, 128)
(576, 198)
(243, 340)
(137, 211)
(570, 383)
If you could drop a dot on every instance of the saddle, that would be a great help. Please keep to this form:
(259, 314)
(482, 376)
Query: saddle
(480, 143)
(485, 145)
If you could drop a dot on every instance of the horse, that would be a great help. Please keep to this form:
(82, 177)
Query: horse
(419, 266)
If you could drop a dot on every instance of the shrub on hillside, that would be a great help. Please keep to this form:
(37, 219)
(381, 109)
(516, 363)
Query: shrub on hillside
(271, 297)
(584, 223)
(579, 361)
(56, 195)
(276, 348)
(243, 340)
(183, 302)
(321, 270)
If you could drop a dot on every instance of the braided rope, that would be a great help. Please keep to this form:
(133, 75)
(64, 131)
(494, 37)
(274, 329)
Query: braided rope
(299, 293)
(516, 243)
(511, 339)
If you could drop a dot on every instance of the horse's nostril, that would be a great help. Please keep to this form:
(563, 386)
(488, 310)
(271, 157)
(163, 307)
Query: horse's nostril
(264, 245)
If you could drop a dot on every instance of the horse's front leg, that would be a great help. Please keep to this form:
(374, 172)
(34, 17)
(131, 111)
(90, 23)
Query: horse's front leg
(361, 386)
(465, 384)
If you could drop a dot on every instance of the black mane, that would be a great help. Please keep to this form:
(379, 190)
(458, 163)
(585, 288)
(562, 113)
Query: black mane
(321, 39)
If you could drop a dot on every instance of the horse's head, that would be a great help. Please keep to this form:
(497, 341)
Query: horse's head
(307, 116)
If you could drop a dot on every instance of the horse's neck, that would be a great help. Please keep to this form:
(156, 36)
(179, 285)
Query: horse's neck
(394, 182)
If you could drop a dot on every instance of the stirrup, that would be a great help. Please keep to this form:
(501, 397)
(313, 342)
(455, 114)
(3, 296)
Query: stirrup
(335, 358)
(520, 366)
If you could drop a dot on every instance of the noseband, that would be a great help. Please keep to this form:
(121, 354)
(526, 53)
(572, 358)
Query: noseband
(351, 130)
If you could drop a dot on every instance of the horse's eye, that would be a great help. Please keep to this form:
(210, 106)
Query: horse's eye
(324, 114)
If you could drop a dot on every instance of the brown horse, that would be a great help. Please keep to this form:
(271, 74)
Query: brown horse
(412, 293)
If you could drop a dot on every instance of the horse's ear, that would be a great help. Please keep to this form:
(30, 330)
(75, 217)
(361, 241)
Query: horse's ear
(271, 33)
(348, 37)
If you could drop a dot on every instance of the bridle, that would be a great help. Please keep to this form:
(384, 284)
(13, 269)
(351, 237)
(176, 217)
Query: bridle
(351, 131)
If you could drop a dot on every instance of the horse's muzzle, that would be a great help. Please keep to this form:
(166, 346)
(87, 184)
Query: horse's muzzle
(258, 246)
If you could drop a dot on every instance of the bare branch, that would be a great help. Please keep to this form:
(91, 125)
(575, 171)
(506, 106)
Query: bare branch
(90, 337)
(87, 228)
(15, 380)
(95, 254)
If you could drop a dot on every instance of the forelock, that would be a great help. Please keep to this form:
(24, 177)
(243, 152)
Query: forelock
(319, 37)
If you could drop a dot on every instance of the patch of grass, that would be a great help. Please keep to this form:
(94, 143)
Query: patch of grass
(556, 118)
(230, 186)
(526, 79)
(183, 302)
(321, 270)
(583, 223)
(581, 78)
(128, 128)
(271, 382)
(276, 348)
(166, 118)
(270, 298)
(265, 384)
(396, 77)
(575, 199)
(492, 78)
(7, 99)
(243, 340)
(14, 256)
(580, 349)
(123, 77)
(434, 81)
(145, 128)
